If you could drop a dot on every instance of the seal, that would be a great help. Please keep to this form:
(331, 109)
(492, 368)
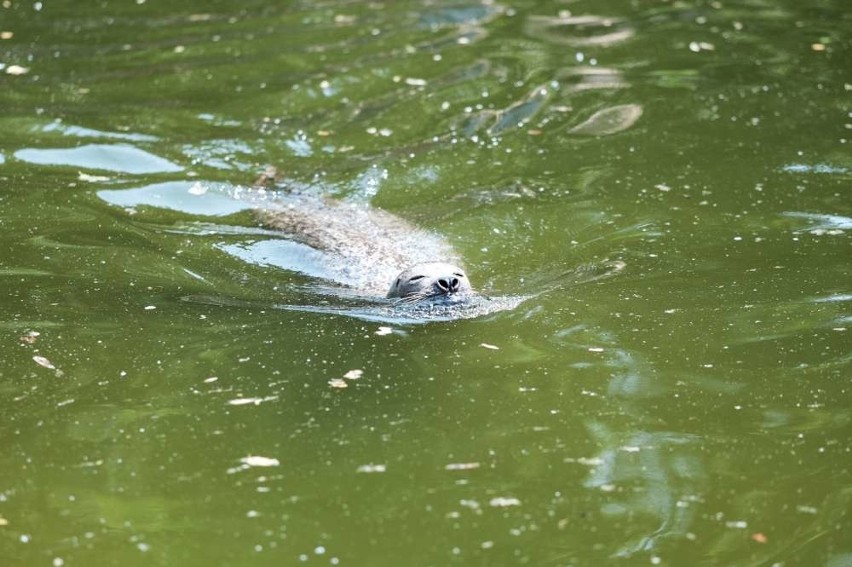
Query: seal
(431, 280)
(370, 250)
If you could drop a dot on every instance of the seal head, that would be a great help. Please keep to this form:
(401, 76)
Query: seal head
(431, 280)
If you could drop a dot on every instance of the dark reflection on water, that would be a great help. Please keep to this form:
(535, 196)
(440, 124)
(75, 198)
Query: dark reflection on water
(178, 386)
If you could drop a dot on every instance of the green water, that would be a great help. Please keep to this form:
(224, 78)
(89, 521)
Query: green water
(694, 409)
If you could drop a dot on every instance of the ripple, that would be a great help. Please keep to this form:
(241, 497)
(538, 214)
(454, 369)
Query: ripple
(220, 154)
(578, 31)
(818, 168)
(519, 113)
(383, 310)
(81, 132)
(822, 221)
(609, 120)
(473, 15)
(591, 78)
(514, 116)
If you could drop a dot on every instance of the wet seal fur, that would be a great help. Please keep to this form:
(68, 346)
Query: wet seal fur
(365, 248)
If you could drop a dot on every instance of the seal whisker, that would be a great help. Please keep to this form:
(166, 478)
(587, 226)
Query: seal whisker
(416, 297)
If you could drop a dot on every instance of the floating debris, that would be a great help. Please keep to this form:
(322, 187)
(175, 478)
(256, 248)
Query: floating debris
(258, 461)
(91, 178)
(813, 168)
(341, 382)
(384, 132)
(254, 461)
(29, 337)
(698, 46)
(249, 401)
(345, 19)
(17, 70)
(588, 461)
(461, 466)
(42, 361)
(503, 502)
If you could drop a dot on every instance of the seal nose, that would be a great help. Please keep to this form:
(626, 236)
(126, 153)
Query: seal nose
(448, 285)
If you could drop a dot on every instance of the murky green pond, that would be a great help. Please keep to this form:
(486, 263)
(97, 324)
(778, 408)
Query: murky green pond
(167, 396)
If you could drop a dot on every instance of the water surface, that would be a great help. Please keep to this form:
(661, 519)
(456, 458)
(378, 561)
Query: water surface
(692, 409)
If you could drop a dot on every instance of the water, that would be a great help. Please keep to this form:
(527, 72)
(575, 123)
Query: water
(160, 407)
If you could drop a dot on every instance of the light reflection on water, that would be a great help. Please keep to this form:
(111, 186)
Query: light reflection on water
(118, 158)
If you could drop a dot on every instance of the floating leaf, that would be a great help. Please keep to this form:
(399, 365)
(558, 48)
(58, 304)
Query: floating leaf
(42, 361)
(504, 501)
(17, 70)
(461, 466)
(257, 461)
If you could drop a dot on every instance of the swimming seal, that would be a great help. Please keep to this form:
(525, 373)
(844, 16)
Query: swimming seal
(368, 249)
